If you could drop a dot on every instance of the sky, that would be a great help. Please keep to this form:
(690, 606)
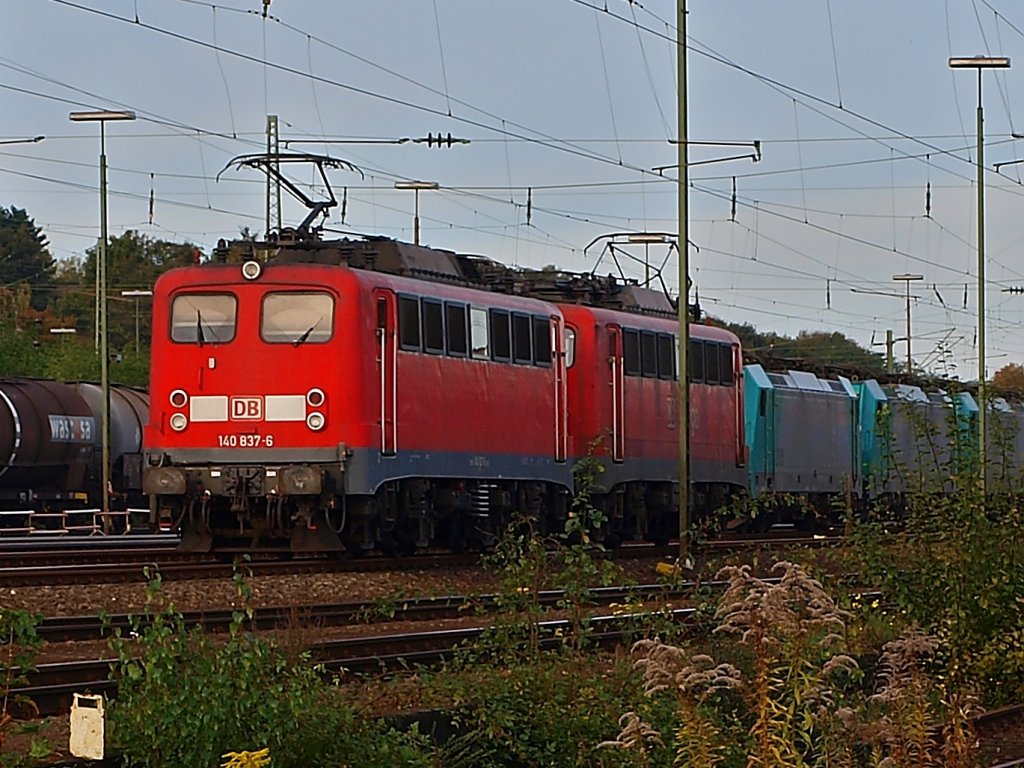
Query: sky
(867, 141)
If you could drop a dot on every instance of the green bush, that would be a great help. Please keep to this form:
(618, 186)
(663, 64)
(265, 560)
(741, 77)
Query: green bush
(19, 643)
(184, 699)
(553, 712)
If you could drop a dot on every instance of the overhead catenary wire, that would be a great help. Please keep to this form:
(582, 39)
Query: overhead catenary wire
(542, 204)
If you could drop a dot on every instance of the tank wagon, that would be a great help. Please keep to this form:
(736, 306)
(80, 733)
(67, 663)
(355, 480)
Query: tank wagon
(50, 445)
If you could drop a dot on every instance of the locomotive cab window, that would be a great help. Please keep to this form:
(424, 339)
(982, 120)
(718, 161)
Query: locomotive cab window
(203, 318)
(479, 348)
(522, 346)
(297, 318)
(570, 346)
(541, 342)
(725, 364)
(455, 324)
(666, 356)
(648, 355)
(501, 336)
(711, 363)
(433, 326)
(409, 323)
(631, 352)
(696, 361)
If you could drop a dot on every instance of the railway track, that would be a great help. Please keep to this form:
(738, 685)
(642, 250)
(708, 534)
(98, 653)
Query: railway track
(1001, 733)
(78, 628)
(182, 566)
(25, 566)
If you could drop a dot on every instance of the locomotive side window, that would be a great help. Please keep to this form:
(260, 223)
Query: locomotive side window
(478, 340)
(541, 341)
(455, 324)
(570, 346)
(433, 326)
(648, 355)
(297, 318)
(666, 356)
(696, 361)
(203, 318)
(725, 364)
(501, 336)
(522, 346)
(409, 323)
(631, 352)
(711, 363)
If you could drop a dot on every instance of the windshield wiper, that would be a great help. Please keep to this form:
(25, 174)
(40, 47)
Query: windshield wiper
(304, 336)
(201, 333)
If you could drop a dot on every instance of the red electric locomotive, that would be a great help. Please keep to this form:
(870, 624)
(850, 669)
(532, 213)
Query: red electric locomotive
(623, 392)
(328, 398)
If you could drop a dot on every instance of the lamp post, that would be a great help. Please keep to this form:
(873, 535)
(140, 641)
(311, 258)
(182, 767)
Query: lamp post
(908, 279)
(101, 290)
(136, 295)
(683, 307)
(979, 63)
(416, 186)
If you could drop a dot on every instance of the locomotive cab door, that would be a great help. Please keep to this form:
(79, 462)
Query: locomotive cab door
(387, 365)
(615, 363)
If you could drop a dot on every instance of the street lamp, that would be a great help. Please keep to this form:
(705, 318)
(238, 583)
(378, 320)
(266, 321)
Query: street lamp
(908, 279)
(416, 186)
(101, 289)
(136, 295)
(979, 63)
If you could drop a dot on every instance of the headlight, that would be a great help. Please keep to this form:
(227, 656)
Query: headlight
(179, 398)
(299, 480)
(178, 422)
(315, 397)
(315, 421)
(164, 481)
(251, 270)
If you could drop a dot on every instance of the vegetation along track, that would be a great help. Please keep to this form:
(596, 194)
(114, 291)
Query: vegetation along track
(52, 685)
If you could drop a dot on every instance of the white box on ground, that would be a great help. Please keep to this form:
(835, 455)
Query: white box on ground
(87, 724)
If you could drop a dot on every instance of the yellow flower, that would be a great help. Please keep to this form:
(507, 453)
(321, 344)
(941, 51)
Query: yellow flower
(246, 759)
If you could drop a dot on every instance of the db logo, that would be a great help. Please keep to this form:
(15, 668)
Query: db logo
(246, 408)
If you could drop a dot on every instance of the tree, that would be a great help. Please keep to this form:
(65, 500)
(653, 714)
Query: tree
(134, 261)
(1009, 378)
(24, 255)
(810, 347)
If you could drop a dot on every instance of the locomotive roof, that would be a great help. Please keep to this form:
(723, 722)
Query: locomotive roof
(381, 254)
